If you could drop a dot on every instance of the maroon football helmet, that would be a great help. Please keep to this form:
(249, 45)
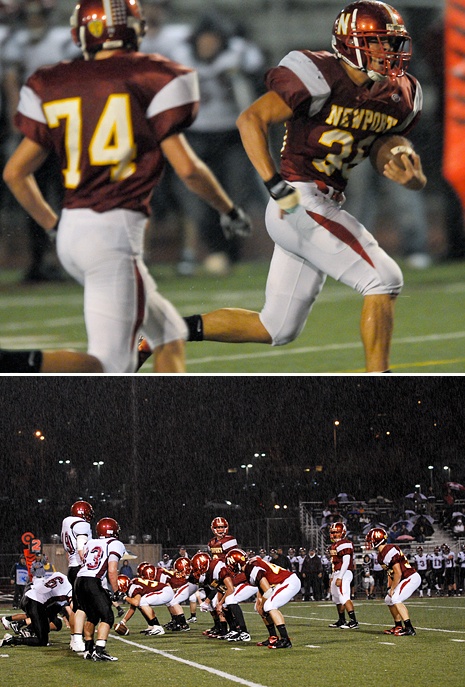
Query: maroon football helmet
(146, 571)
(182, 567)
(220, 526)
(107, 527)
(337, 531)
(123, 583)
(235, 560)
(200, 563)
(371, 36)
(375, 537)
(110, 25)
(82, 509)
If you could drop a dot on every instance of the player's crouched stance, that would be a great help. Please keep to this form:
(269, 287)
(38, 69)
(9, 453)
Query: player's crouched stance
(403, 580)
(275, 587)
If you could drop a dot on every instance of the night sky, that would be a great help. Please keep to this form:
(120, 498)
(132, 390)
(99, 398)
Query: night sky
(171, 445)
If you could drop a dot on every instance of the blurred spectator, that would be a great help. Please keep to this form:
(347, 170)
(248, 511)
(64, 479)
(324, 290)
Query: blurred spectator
(19, 577)
(126, 569)
(34, 43)
(278, 558)
(368, 581)
(166, 562)
(312, 575)
(458, 528)
(226, 64)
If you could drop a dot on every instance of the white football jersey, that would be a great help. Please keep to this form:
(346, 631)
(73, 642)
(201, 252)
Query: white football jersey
(70, 529)
(53, 589)
(97, 554)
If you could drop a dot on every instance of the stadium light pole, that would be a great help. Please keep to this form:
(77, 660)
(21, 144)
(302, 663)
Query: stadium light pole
(431, 470)
(336, 424)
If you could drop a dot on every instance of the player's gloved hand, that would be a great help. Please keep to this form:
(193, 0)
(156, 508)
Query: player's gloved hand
(116, 596)
(287, 197)
(204, 607)
(235, 223)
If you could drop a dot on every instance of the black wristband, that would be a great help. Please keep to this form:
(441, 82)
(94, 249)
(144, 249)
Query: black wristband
(276, 179)
(233, 214)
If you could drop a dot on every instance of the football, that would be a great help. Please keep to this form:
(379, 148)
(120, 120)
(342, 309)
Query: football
(389, 147)
(121, 629)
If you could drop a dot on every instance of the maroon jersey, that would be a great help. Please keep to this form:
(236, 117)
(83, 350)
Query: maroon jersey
(256, 568)
(335, 122)
(141, 587)
(390, 555)
(105, 119)
(216, 574)
(219, 546)
(174, 579)
(338, 550)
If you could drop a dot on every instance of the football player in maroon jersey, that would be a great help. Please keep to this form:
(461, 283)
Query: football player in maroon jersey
(222, 542)
(341, 552)
(275, 587)
(113, 119)
(403, 580)
(334, 107)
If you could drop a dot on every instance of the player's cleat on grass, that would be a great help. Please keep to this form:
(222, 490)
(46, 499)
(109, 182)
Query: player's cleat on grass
(8, 640)
(144, 351)
(268, 642)
(87, 655)
(192, 619)
(14, 625)
(338, 623)
(351, 625)
(283, 643)
(405, 631)
(102, 656)
(207, 632)
(181, 628)
(240, 637)
(170, 626)
(155, 630)
(392, 630)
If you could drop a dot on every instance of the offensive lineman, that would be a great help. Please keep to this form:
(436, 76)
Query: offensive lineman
(112, 118)
(75, 531)
(334, 106)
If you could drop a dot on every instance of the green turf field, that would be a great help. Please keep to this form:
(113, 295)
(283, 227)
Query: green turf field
(320, 656)
(428, 338)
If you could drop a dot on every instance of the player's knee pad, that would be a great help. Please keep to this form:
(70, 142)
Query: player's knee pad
(282, 332)
(387, 279)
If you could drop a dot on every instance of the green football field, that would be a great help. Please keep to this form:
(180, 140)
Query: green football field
(428, 338)
(320, 656)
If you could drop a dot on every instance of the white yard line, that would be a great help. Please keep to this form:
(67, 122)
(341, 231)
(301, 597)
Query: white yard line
(192, 664)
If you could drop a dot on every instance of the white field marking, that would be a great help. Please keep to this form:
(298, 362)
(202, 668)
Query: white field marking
(387, 643)
(457, 640)
(284, 351)
(417, 627)
(199, 666)
(313, 646)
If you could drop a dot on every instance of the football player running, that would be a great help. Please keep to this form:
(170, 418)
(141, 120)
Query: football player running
(403, 580)
(113, 119)
(342, 563)
(334, 107)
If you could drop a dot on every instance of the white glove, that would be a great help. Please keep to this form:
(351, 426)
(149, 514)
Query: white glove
(205, 607)
(235, 223)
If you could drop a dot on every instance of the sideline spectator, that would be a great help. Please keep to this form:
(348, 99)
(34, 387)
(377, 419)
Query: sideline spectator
(19, 577)
(126, 569)
(312, 575)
